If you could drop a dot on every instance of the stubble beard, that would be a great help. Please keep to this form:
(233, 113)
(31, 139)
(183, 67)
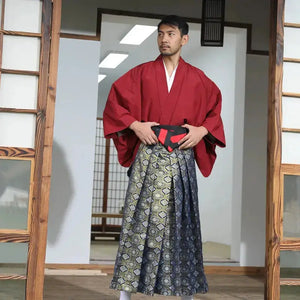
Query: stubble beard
(163, 53)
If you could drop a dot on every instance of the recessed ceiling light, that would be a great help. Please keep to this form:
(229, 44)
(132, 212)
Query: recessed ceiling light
(101, 77)
(112, 60)
(138, 34)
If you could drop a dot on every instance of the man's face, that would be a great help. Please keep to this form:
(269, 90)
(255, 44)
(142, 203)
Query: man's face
(169, 40)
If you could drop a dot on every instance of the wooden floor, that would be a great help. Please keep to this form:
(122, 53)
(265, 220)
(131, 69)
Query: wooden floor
(96, 288)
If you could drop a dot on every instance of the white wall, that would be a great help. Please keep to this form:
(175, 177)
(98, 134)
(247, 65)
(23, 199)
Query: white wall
(226, 67)
(73, 152)
(255, 162)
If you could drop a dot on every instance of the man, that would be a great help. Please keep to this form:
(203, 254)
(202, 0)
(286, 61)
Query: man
(160, 243)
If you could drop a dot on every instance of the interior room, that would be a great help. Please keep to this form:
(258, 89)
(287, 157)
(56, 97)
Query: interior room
(232, 220)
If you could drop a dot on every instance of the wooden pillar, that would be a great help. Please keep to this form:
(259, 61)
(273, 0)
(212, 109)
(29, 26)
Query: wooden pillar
(44, 139)
(273, 215)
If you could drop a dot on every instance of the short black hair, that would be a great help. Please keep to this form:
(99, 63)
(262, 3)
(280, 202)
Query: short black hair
(175, 21)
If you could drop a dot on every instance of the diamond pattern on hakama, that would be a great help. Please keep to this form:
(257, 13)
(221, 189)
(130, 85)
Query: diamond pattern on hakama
(160, 247)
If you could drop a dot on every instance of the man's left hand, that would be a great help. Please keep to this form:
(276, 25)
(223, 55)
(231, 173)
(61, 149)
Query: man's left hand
(194, 136)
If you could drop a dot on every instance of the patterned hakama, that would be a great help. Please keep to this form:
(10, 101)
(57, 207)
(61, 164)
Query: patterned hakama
(160, 244)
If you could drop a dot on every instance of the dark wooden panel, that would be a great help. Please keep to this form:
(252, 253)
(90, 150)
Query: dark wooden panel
(79, 36)
(212, 28)
(107, 215)
(109, 228)
(17, 152)
(258, 52)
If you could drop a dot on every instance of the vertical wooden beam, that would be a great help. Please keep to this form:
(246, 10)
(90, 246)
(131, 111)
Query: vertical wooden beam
(99, 22)
(1, 36)
(2, 15)
(106, 181)
(273, 214)
(44, 139)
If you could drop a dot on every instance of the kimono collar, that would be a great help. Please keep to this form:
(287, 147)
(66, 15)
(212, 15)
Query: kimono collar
(168, 99)
(181, 60)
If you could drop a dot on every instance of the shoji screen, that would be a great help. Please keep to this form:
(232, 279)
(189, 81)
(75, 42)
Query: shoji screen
(25, 142)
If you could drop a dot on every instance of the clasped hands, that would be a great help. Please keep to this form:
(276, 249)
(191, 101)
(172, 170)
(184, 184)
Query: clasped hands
(144, 132)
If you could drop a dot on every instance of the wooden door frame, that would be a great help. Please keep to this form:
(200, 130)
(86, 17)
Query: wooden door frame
(273, 227)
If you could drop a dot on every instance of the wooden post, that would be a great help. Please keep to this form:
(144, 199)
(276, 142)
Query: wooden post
(44, 140)
(273, 214)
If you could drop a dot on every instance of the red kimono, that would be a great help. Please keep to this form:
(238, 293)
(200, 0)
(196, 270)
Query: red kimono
(142, 94)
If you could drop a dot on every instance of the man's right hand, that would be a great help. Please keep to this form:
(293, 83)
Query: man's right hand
(144, 132)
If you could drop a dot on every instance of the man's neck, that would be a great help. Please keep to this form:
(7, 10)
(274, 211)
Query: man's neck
(171, 62)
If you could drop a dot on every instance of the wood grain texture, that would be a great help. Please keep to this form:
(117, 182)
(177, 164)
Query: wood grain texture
(20, 33)
(273, 211)
(79, 36)
(17, 152)
(12, 277)
(290, 244)
(290, 169)
(293, 95)
(14, 236)
(295, 130)
(18, 110)
(293, 25)
(289, 281)
(44, 139)
(292, 60)
(19, 72)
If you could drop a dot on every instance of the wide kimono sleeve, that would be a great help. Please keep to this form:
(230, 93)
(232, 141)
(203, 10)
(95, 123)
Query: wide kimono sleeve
(122, 108)
(205, 151)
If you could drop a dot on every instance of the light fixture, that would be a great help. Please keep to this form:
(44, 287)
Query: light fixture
(138, 34)
(112, 60)
(101, 77)
(212, 27)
